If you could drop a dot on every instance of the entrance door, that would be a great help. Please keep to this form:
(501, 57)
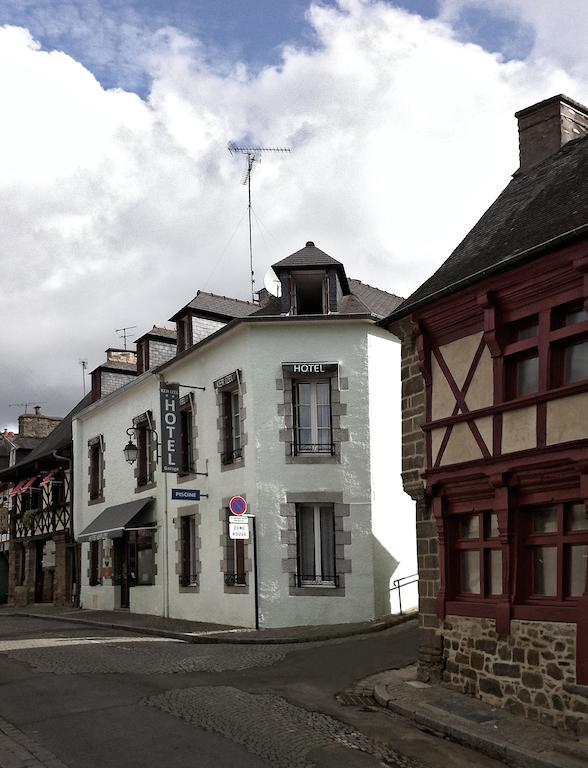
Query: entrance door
(121, 570)
(39, 550)
(3, 577)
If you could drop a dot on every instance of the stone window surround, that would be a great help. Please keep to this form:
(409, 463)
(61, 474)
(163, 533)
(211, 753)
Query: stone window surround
(241, 387)
(98, 439)
(289, 537)
(147, 417)
(189, 402)
(225, 542)
(286, 411)
(190, 510)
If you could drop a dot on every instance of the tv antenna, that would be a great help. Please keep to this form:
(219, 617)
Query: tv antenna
(84, 363)
(26, 405)
(122, 333)
(252, 156)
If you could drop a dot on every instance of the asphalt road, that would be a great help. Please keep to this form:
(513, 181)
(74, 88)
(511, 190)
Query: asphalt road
(75, 697)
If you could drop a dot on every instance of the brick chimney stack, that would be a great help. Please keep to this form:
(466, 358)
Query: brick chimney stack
(121, 356)
(545, 127)
(36, 424)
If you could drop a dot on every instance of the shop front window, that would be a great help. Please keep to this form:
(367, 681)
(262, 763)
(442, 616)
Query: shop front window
(556, 547)
(478, 555)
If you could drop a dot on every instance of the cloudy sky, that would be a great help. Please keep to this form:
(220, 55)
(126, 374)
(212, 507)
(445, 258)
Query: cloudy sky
(119, 199)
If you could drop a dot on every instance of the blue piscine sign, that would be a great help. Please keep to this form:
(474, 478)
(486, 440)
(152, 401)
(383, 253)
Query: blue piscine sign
(185, 494)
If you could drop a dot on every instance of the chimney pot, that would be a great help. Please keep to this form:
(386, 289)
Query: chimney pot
(37, 410)
(545, 127)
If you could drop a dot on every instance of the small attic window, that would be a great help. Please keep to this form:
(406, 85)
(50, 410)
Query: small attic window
(309, 291)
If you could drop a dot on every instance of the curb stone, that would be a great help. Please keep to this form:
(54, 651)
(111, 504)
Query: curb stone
(459, 730)
(248, 638)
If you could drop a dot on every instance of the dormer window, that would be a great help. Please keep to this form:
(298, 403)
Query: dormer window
(309, 293)
(184, 331)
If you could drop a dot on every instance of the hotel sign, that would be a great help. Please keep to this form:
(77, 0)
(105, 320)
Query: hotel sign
(224, 381)
(169, 395)
(310, 369)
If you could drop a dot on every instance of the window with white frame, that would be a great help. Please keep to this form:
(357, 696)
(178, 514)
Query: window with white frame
(312, 417)
(315, 534)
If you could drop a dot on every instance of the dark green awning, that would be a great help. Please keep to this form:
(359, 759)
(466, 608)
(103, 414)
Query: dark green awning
(112, 522)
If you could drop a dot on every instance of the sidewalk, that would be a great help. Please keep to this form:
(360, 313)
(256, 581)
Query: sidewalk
(199, 632)
(468, 721)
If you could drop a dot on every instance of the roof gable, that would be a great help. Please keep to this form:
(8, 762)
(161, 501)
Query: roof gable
(310, 256)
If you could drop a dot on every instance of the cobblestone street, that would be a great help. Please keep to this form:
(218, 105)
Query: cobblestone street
(73, 698)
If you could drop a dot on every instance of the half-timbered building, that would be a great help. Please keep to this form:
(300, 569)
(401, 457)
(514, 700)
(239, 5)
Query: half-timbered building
(495, 436)
(43, 561)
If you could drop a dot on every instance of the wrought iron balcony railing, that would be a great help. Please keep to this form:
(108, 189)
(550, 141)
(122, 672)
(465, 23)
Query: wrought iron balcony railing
(235, 579)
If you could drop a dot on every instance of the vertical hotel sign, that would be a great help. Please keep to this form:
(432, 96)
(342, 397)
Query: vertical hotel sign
(169, 397)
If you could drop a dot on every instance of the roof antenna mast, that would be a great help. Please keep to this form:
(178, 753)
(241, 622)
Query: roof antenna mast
(252, 156)
(84, 363)
(123, 333)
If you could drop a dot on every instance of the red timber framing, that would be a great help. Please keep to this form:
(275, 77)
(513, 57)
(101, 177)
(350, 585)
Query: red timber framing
(504, 486)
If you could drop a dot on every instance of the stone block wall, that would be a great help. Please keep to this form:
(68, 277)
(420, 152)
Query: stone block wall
(430, 658)
(531, 672)
(112, 380)
(160, 352)
(203, 327)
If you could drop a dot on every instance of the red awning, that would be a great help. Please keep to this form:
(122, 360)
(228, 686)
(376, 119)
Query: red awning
(17, 488)
(28, 483)
(49, 476)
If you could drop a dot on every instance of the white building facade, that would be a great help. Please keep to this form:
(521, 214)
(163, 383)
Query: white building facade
(294, 406)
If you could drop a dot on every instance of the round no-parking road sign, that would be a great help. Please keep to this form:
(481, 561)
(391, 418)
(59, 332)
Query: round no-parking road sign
(238, 505)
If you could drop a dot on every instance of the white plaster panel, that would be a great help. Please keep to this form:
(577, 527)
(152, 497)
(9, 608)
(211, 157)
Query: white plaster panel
(436, 439)
(458, 356)
(486, 428)
(462, 446)
(519, 429)
(442, 398)
(480, 393)
(567, 419)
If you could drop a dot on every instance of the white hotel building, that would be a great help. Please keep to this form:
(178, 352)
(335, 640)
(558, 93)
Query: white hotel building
(293, 404)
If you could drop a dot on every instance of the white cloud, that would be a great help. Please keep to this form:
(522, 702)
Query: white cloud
(116, 210)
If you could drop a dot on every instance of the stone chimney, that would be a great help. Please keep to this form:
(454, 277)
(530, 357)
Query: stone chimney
(36, 424)
(121, 356)
(545, 127)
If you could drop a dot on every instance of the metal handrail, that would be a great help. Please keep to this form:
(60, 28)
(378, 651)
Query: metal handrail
(397, 584)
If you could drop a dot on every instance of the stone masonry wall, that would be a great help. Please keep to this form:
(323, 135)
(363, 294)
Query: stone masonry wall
(112, 381)
(531, 672)
(160, 352)
(430, 656)
(203, 327)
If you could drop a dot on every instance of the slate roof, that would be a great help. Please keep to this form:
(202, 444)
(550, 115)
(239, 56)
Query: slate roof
(309, 256)
(363, 300)
(58, 440)
(380, 303)
(538, 209)
(223, 306)
(26, 443)
(159, 332)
